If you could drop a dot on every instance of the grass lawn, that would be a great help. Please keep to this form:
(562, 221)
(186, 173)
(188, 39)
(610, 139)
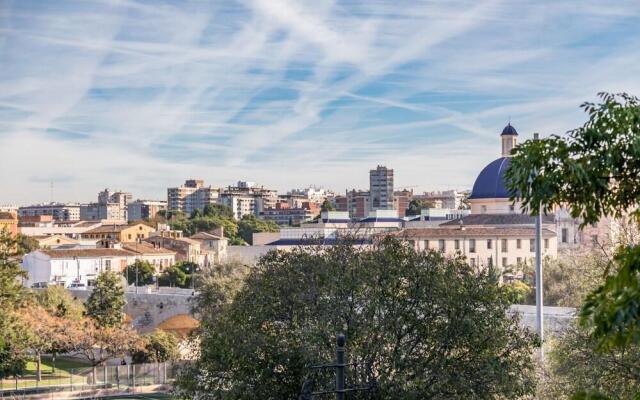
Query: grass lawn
(62, 376)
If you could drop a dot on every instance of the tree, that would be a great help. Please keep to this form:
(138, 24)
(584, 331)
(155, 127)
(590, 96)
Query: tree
(594, 171)
(218, 210)
(417, 205)
(421, 325)
(326, 206)
(577, 366)
(106, 302)
(250, 224)
(12, 295)
(159, 346)
(57, 301)
(97, 344)
(141, 272)
(174, 276)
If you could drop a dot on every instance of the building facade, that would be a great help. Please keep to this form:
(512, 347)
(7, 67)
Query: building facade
(246, 198)
(9, 222)
(145, 209)
(59, 211)
(191, 196)
(381, 188)
(119, 233)
(358, 203)
(284, 215)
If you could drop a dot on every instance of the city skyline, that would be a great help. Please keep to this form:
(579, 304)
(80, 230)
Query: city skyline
(140, 96)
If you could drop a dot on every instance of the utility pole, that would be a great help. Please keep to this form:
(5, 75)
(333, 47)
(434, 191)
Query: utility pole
(340, 366)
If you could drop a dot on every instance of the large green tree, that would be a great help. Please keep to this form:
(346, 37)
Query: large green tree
(595, 172)
(250, 224)
(421, 326)
(106, 302)
(141, 272)
(417, 205)
(159, 346)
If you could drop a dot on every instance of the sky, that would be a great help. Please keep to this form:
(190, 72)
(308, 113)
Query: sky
(141, 95)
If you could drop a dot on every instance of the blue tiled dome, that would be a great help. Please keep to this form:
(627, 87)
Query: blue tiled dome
(490, 183)
(509, 130)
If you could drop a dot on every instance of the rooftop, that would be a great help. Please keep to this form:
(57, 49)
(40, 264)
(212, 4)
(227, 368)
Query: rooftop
(471, 232)
(498, 219)
(145, 248)
(86, 253)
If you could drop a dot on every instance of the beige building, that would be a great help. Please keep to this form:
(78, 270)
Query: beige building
(186, 249)
(191, 196)
(157, 256)
(212, 246)
(483, 246)
(120, 233)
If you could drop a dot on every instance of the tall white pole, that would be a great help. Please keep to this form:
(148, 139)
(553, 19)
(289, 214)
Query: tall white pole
(539, 278)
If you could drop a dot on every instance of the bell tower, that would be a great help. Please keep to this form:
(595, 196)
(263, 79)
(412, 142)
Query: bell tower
(509, 138)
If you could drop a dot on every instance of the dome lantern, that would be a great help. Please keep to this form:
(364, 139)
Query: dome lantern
(509, 138)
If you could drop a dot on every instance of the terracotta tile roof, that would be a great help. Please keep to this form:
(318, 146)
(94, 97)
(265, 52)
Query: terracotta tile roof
(145, 248)
(86, 253)
(470, 232)
(110, 228)
(205, 236)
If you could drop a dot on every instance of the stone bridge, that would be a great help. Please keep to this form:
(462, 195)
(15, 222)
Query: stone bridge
(170, 309)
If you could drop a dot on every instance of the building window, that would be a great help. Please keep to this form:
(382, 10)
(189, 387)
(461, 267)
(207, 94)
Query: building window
(472, 245)
(518, 260)
(546, 244)
(489, 244)
(518, 243)
(472, 262)
(456, 244)
(129, 236)
(503, 244)
(504, 262)
(483, 209)
(565, 235)
(107, 265)
(441, 245)
(426, 244)
(532, 245)
(490, 261)
(594, 239)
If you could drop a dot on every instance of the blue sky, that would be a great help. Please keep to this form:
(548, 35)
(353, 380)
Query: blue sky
(140, 95)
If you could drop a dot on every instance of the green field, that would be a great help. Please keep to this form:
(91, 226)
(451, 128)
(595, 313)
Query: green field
(62, 376)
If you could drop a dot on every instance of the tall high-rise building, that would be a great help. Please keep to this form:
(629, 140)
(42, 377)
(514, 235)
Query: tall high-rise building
(191, 196)
(145, 209)
(248, 198)
(381, 188)
(112, 206)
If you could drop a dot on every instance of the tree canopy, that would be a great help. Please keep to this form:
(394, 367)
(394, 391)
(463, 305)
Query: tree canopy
(594, 171)
(423, 325)
(106, 302)
(140, 271)
(417, 205)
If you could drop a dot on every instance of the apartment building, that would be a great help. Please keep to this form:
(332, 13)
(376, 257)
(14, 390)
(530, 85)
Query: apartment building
(191, 196)
(145, 209)
(111, 206)
(284, 215)
(119, 233)
(59, 211)
(381, 188)
(358, 203)
(247, 198)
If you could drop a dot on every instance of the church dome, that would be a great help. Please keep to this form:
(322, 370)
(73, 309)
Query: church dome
(490, 182)
(509, 131)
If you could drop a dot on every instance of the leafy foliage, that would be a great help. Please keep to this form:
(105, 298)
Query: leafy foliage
(215, 216)
(159, 346)
(424, 327)
(327, 206)
(144, 271)
(57, 301)
(595, 172)
(106, 302)
(174, 276)
(579, 371)
(249, 224)
(416, 206)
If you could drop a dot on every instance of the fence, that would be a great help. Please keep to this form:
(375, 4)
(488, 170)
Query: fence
(117, 378)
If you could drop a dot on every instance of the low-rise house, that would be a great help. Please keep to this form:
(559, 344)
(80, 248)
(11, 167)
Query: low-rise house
(155, 255)
(72, 229)
(120, 233)
(55, 241)
(213, 247)
(63, 267)
(186, 249)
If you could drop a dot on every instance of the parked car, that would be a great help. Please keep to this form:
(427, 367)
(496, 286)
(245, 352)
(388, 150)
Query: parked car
(77, 285)
(40, 285)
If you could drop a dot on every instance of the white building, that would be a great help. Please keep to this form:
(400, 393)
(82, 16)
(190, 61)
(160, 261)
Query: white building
(64, 267)
(191, 196)
(59, 211)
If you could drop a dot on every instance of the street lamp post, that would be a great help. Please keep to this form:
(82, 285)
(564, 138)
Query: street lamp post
(539, 278)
